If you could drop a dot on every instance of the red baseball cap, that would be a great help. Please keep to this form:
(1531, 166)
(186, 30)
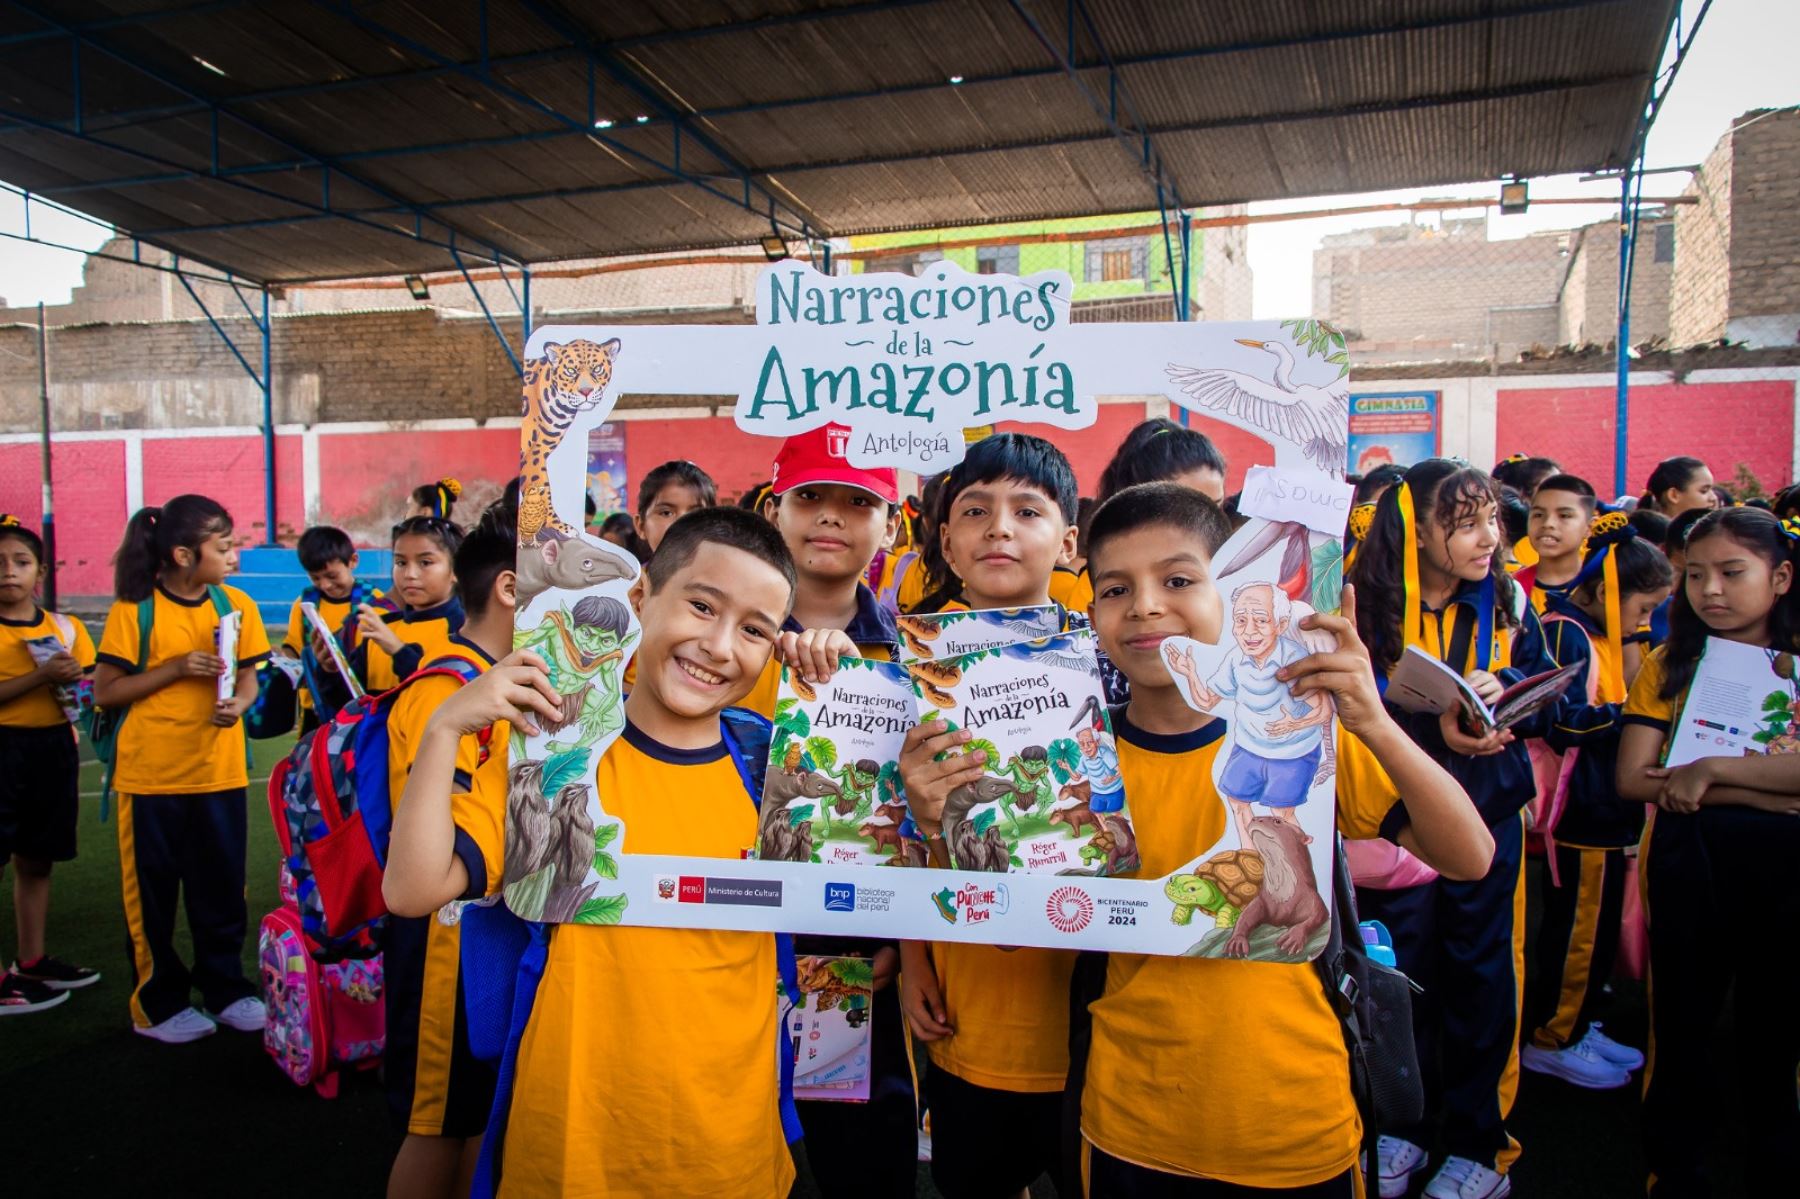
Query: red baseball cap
(821, 456)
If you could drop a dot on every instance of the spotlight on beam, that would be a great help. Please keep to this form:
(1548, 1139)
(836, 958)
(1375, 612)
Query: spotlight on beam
(415, 284)
(774, 248)
(1515, 196)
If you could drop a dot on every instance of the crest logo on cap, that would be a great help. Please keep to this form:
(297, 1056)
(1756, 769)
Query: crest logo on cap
(837, 442)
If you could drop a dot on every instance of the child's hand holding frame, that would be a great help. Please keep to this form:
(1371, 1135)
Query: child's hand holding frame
(515, 689)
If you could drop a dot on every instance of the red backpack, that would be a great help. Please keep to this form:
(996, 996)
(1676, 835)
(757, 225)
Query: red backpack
(333, 814)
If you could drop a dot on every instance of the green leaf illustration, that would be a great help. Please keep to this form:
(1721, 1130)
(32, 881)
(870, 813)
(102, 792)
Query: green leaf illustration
(985, 821)
(993, 761)
(1014, 859)
(822, 752)
(605, 835)
(1328, 576)
(1765, 736)
(1776, 701)
(608, 910)
(854, 972)
(562, 769)
(1065, 759)
(784, 706)
(798, 816)
(605, 865)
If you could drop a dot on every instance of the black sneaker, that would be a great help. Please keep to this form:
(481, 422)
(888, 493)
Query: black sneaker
(21, 995)
(56, 974)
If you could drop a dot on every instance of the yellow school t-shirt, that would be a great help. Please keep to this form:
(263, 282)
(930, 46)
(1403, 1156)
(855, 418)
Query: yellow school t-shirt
(1168, 1029)
(1074, 591)
(428, 628)
(168, 744)
(649, 1066)
(1010, 1010)
(478, 789)
(37, 708)
(334, 612)
(1645, 703)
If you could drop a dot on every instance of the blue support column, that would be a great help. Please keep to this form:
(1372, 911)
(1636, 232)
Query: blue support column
(1187, 264)
(525, 307)
(268, 415)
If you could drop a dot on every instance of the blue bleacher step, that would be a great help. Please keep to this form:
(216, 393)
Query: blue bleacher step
(271, 576)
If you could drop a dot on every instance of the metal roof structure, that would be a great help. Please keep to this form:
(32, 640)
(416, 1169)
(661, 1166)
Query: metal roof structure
(319, 139)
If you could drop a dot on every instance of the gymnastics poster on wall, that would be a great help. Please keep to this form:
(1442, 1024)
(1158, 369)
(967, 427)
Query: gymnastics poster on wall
(1398, 427)
(907, 365)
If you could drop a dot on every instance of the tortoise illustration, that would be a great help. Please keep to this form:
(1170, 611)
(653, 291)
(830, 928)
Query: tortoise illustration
(1220, 887)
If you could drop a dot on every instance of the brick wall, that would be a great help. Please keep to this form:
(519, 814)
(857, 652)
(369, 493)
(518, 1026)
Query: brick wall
(1700, 294)
(1765, 222)
(1589, 303)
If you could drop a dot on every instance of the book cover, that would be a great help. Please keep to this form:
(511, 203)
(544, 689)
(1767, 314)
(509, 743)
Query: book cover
(1743, 701)
(226, 640)
(832, 794)
(952, 634)
(324, 636)
(1420, 682)
(831, 1028)
(1052, 800)
(76, 698)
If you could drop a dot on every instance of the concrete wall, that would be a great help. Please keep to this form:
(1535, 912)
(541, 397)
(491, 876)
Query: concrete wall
(1588, 307)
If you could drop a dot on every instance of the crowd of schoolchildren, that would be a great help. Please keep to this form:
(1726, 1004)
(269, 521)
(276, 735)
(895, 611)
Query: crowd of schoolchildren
(645, 1064)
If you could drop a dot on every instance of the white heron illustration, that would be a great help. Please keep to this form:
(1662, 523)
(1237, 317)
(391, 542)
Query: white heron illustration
(1316, 419)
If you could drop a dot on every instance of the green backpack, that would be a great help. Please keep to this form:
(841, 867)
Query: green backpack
(103, 724)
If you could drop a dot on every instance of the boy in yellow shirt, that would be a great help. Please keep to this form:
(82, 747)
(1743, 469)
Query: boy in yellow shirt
(649, 1062)
(1167, 1026)
(439, 1092)
(1562, 507)
(329, 558)
(995, 1022)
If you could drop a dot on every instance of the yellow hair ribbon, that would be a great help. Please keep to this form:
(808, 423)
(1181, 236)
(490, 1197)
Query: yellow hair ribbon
(1410, 599)
(8, 521)
(1615, 636)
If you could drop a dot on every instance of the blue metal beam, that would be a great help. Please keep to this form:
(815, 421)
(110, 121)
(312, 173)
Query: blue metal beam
(487, 312)
(326, 164)
(1134, 136)
(936, 83)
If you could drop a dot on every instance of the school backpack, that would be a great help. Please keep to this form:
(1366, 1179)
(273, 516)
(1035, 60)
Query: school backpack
(325, 1015)
(503, 960)
(1553, 770)
(333, 814)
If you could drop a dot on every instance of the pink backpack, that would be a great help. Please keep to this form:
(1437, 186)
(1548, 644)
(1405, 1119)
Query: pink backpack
(322, 1016)
(1383, 866)
(1553, 770)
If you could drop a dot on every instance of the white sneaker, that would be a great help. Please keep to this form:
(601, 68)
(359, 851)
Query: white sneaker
(1580, 1064)
(1399, 1161)
(1460, 1178)
(246, 1015)
(1622, 1056)
(189, 1024)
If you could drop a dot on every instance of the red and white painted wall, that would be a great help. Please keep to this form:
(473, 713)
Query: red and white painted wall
(358, 475)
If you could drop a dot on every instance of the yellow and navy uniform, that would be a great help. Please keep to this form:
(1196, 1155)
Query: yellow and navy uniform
(426, 633)
(39, 765)
(182, 821)
(995, 1088)
(337, 612)
(913, 585)
(1464, 942)
(877, 1140)
(1578, 940)
(436, 1087)
(649, 1061)
(1724, 915)
(1147, 1043)
(1523, 554)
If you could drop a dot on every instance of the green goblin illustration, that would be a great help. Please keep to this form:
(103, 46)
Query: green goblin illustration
(585, 648)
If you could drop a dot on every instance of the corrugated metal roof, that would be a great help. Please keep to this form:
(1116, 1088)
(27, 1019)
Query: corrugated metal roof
(343, 138)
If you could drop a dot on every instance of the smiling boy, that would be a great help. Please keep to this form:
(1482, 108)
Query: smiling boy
(649, 1061)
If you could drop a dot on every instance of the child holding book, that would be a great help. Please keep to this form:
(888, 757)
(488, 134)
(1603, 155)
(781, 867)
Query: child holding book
(1163, 1025)
(392, 641)
(649, 1061)
(42, 654)
(450, 848)
(995, 1022)
(833, 517)
(329, 558)
(1718, 862)
(1431, 576)
(1586, 825)
(180, 765)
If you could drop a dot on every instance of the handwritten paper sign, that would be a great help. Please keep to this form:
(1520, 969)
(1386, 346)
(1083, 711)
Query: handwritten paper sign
(1309, 498)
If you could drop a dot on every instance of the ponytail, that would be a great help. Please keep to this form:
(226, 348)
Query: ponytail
(439, 497)
(152, 536)
(1625, 564)
(1774, 541)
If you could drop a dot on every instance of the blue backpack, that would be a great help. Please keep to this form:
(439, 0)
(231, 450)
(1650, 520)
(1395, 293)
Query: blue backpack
(503, 962)
(333, 814)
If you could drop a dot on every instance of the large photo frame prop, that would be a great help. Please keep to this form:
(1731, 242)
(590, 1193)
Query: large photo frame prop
(907, 364)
